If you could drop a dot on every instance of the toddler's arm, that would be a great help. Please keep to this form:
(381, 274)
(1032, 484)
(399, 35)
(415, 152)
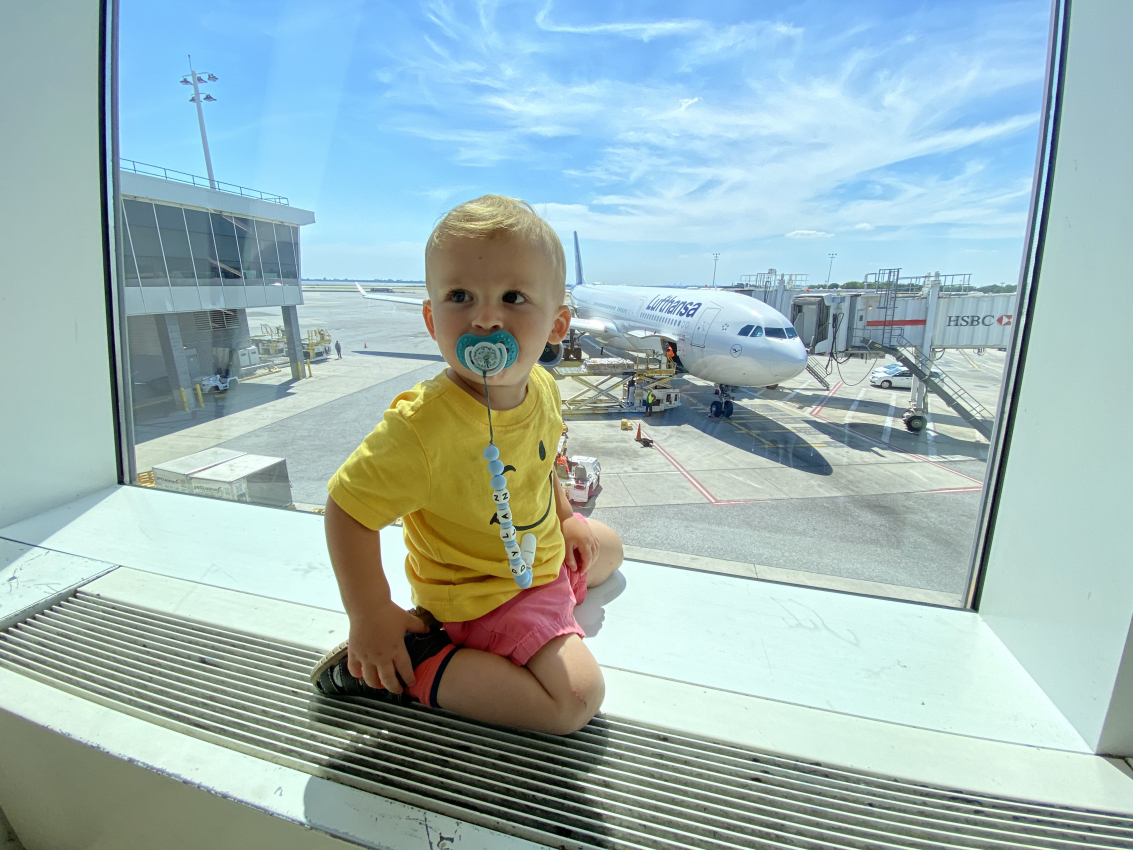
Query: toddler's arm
(377, 625)
(576, 534)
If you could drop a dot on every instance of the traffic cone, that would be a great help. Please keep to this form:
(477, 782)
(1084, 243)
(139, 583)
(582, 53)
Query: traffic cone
(638, 437)
(364, 345)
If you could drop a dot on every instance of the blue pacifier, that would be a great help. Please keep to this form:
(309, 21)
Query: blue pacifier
(489, 355)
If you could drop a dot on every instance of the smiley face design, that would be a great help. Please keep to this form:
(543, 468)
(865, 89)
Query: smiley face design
(506, 515)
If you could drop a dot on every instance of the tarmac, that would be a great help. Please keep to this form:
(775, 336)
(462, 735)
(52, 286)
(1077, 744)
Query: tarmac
(803, 484)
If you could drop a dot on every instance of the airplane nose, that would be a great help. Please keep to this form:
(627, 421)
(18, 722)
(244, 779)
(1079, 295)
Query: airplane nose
(791, 360)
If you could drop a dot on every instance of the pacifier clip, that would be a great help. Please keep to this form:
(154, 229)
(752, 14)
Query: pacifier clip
(490, 355)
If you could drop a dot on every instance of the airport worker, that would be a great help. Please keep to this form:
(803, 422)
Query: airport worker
(631, 391)
(493, 634)
(650, 400)
(338, 349)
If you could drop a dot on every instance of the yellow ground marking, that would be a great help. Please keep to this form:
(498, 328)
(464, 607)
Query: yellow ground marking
(969, 359)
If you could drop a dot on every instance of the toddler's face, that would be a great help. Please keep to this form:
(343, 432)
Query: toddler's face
(477, 286)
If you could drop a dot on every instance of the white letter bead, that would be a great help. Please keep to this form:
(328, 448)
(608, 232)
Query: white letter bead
(508, 533)
(503, 514)
(501, 496)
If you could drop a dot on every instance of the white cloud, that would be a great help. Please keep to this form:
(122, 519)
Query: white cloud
(798, 135)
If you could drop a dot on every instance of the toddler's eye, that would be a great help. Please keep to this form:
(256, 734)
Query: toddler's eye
(514, 297)
(459, 296)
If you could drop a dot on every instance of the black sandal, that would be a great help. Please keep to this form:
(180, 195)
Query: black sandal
(331, 676)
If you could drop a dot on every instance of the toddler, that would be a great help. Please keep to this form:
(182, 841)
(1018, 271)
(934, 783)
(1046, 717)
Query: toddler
(476, 644)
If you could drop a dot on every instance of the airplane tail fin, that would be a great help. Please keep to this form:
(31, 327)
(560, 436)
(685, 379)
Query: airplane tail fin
(577, 262)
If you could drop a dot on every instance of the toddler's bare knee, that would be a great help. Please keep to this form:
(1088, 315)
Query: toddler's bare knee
(576, 708)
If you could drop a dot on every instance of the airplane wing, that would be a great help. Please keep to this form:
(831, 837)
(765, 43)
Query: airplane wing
(385, 296)
(643, 335)
(592, 326)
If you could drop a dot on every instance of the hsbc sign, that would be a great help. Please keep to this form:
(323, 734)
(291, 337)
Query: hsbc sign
(979, 321)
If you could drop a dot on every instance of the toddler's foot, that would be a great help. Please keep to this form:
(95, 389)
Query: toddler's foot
(428, 653)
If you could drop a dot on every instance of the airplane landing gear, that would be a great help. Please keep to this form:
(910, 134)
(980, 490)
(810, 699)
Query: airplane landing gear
(723, 408)
(914, 420)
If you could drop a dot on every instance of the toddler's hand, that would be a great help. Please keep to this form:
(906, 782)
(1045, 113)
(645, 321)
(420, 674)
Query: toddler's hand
(578, 538)
(377, 647)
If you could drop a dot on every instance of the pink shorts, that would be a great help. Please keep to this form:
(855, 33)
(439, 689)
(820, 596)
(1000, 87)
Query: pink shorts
(525, 623)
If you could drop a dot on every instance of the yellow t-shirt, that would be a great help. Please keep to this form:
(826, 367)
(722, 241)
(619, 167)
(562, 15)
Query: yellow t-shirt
(424, 463)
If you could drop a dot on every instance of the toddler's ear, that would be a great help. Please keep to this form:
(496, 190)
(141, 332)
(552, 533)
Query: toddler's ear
(427, 315)
(561, 326)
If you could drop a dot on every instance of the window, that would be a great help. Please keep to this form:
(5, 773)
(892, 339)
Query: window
(204, 251)
(148, 256)
(175, 243)
(839, 229)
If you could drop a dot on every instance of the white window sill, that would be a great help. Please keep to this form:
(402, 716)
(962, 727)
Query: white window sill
(913, 691)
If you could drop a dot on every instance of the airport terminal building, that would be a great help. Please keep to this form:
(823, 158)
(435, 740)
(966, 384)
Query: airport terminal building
(195, 259)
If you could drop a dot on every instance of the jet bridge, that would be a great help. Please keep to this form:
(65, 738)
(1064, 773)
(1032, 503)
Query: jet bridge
(912, 319)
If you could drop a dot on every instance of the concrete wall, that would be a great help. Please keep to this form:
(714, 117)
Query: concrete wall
(1059, 581)
(57, 431)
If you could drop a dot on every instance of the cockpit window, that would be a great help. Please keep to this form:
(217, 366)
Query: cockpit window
(776, 333)
(758, 331)
(746, 329)
(792, 333)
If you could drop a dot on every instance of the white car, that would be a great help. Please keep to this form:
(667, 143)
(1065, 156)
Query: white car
(895, 377)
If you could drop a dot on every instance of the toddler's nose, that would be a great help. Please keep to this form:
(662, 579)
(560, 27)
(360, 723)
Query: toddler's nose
(487, 319)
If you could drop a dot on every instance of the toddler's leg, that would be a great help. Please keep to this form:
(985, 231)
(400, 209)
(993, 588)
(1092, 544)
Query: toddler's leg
(609, 553)
(558, 691)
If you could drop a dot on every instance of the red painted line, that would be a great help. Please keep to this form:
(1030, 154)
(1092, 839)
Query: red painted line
(893, 323)
(688, 475)
(814, 411)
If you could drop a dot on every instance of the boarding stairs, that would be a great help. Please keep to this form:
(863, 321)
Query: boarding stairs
(817, 371)
(947, 388)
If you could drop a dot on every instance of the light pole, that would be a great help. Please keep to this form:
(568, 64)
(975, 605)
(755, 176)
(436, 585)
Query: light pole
(192, 79)
(715, 260)
(829, 271)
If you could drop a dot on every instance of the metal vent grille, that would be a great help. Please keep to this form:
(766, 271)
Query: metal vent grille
(215, 320)
(615, 784)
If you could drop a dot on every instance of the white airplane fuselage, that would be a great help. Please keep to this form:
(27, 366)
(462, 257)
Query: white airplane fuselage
(705, 326)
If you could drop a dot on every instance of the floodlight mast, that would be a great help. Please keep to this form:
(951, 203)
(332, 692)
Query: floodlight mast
(193, 79)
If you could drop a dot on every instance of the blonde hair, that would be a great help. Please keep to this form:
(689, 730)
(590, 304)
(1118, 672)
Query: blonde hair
(491, 216)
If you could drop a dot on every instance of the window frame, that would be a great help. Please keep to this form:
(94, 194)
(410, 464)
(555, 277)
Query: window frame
(115, 225)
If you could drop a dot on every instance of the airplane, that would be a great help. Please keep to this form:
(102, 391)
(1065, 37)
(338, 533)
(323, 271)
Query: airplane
(728, 339)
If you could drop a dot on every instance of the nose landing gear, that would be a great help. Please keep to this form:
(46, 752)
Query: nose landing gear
(723, 407)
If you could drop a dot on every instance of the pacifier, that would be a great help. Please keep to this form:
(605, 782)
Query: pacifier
(487, 355)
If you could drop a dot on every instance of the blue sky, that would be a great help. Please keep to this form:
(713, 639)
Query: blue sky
(890, 133)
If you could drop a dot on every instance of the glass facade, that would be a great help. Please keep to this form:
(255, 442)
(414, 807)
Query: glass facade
(166, 245)
(146, 243)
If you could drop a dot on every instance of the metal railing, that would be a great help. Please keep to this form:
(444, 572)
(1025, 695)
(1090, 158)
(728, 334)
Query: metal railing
(194, 180)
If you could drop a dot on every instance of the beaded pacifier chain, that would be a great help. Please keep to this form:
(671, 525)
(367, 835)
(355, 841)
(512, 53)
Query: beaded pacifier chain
(490, 355)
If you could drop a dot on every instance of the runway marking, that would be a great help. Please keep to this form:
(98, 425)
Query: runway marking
(814, 411)
(796, 391)
(889, 445)
(700, 488)
(888, 423)
(969, 359)
(853, 407)
(930, 431)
